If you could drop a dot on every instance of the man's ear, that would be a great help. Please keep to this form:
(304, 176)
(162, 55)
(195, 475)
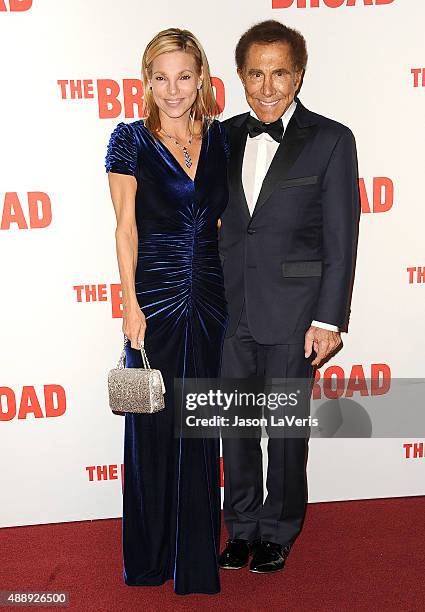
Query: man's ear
(298, 79)
(241, 75)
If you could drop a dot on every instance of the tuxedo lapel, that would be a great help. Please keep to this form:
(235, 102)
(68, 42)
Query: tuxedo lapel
(300, 129)
(237, 137)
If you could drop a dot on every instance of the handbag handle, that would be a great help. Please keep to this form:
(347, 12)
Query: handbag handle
(121, 361)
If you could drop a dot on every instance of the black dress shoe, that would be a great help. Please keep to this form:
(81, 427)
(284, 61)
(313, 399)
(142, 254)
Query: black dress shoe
(235, 555)
(269, 557)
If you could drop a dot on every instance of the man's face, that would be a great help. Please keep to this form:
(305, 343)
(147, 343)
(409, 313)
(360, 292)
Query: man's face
(269, 80)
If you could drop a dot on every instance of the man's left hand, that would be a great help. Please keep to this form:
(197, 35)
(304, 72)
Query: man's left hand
(323, 341)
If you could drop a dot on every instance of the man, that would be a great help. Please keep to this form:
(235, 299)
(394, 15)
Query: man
(287, 242)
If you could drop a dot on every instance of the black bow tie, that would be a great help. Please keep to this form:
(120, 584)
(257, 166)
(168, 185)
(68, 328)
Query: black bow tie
(255, 128)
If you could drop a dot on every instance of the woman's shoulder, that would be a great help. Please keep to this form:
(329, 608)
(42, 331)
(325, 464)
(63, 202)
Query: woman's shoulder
(128, 128)
(138, 124)
(123, 148)
(219, 131)
(217, 125)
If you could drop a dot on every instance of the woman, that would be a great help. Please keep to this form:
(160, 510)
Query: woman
(168, 181)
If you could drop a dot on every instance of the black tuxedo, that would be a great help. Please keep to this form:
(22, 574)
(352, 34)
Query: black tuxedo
(292, 262)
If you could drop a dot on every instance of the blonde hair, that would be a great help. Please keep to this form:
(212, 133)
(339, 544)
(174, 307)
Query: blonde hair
(205, 106)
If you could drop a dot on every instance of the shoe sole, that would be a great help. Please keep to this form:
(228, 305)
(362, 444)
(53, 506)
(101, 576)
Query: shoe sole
(227, 567)
(267, 571)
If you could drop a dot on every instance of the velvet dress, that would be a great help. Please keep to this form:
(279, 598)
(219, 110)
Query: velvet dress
(171, 501)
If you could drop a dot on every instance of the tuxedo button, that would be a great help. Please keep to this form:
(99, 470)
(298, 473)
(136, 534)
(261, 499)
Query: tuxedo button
(251, 231)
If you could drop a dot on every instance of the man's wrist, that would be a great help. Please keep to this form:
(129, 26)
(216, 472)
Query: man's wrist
(327, 326)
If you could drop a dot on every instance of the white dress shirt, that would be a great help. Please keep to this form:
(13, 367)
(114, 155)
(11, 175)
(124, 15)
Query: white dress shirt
(259, 153)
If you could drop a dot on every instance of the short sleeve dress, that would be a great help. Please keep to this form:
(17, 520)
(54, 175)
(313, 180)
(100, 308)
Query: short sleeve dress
(171, 506)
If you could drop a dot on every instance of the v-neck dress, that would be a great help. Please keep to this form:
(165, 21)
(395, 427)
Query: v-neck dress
(171, 502)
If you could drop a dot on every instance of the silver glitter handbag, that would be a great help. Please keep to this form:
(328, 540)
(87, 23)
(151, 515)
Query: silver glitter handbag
(138, 390)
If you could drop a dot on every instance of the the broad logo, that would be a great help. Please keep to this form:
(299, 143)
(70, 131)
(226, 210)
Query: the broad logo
(283, 4)
(15, 6)
(119, 98)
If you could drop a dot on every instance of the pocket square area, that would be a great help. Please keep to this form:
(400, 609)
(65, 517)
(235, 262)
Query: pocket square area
(299, 181)
(302, 268)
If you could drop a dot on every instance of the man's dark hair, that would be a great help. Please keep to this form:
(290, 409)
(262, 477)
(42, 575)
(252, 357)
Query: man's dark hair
(269, 32)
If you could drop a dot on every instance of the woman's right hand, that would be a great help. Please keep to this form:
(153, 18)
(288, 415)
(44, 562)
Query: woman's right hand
(134, 326)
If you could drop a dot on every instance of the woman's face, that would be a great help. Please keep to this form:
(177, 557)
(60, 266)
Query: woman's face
(175, 82)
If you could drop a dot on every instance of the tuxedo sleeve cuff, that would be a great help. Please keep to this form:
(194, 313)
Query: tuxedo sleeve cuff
(327, 326)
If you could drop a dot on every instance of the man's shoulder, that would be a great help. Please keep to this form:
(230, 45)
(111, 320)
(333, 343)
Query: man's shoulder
(234, 121)
(329, 126)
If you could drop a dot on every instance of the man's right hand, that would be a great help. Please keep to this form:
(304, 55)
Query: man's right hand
(323, 341)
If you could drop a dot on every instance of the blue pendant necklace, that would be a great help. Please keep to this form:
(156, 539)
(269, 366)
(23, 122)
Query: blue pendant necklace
(187, 158)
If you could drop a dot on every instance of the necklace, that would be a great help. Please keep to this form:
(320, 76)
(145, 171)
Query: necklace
(187, 158)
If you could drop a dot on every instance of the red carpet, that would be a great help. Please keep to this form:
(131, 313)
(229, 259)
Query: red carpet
(362, 555)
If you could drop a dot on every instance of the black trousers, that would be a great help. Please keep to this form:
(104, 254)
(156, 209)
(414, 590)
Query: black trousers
(280, 516)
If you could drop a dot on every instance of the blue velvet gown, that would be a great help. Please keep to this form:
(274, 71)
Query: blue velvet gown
(171, 505)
